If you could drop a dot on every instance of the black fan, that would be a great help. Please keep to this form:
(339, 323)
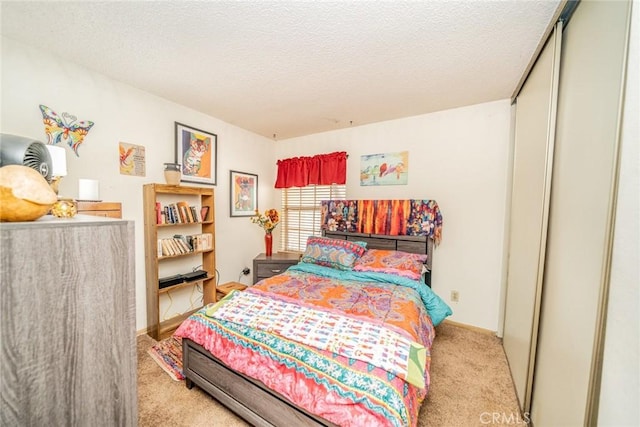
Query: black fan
(18, 150)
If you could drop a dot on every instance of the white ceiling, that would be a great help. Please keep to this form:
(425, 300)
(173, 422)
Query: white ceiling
(294, 68)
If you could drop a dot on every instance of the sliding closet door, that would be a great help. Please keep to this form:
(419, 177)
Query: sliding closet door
(580, 218)
(532, 166)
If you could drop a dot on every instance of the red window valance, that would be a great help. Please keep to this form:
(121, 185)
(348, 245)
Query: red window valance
(322, 169)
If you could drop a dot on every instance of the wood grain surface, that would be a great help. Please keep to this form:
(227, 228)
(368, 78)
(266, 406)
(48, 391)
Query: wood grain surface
(68, 323)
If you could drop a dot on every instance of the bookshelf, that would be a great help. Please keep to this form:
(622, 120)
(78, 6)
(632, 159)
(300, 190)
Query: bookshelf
(160, 227)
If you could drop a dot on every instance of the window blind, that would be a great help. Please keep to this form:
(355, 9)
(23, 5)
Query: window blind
(301, 213)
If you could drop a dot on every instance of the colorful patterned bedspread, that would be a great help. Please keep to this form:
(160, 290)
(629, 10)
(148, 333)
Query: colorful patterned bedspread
(343, 390)
(349, 336)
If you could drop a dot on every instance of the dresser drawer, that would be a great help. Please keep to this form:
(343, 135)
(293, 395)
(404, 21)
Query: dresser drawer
(271, 269)
(267, 266)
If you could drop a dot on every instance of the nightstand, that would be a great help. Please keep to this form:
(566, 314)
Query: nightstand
(264, 266)
(225, 288)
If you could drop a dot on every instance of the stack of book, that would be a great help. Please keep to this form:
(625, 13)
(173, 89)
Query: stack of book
(180, 244)
(180, 213)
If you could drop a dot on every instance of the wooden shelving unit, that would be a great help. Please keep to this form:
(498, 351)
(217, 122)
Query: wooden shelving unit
(198, 196)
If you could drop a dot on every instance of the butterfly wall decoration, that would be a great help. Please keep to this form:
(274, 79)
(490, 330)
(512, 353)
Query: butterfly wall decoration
(64, 128)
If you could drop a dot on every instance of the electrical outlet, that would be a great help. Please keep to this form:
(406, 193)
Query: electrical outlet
(455, 296)
(246, 271)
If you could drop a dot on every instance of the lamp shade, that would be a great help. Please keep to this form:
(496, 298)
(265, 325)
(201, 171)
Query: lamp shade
(88, 190)
(58, 160)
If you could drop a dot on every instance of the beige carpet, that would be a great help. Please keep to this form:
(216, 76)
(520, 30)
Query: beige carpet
(470, 382)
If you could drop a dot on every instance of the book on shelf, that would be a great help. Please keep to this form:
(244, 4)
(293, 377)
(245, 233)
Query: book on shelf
(184, 211)
(179, 213)
(202, 242)
(181, 244)
(184, 242)
(174, 247)
(178, 246)
(158, 213)
(176, 214)
(168, 214)
(194, 214)
(204, 211)
(166, 250)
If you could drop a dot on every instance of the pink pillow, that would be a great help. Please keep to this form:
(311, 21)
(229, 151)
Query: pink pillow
(400, 263)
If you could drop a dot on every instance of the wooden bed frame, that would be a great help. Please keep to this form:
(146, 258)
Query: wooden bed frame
(251, 399)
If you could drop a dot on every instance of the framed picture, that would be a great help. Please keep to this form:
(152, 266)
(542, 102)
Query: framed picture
(197, 152)
(244, 193)
(384, 169)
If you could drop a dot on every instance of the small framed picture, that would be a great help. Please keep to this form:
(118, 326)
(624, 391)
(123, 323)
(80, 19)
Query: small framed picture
(197, 153)
(244, 193)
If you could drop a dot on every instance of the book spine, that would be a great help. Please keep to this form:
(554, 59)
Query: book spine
(194, 214)
(204, 211)
(166, 250)
(183, 246)
(184, 241)
(174, 246)
(158, 215)
(208, 238)
(176, 215)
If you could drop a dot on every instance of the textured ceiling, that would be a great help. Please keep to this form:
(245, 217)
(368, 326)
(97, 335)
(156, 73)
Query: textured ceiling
(294, 68)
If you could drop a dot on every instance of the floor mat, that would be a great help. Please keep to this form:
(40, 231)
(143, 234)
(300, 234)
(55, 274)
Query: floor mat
(168, 354)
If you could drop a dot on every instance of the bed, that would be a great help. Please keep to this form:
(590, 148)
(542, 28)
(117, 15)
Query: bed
(276, 374)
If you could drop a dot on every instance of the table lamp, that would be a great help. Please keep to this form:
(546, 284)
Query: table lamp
(58, 165)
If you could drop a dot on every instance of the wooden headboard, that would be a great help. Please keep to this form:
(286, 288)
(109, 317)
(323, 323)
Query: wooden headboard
(412, 244)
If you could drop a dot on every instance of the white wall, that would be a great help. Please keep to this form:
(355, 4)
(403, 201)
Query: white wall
(459, 158)
(121, 113)
(620, 392)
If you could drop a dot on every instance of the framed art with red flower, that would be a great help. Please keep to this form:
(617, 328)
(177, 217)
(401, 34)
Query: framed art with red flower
(244, 193)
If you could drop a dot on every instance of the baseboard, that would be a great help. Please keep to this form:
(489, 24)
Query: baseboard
(144, 331)
(470, 327)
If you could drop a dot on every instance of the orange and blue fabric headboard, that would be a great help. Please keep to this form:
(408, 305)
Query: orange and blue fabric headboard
(410, 217)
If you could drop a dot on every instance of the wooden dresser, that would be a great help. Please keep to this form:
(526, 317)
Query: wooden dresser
(68, 322)
(267, 266)
(106, 209)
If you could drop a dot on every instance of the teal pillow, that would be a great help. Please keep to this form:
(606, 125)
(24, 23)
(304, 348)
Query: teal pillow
(334, 253)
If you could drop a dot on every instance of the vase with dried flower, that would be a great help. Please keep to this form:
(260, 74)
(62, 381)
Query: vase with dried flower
(267, 221)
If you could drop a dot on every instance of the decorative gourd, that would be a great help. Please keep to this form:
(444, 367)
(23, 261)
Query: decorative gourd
(24, 194)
